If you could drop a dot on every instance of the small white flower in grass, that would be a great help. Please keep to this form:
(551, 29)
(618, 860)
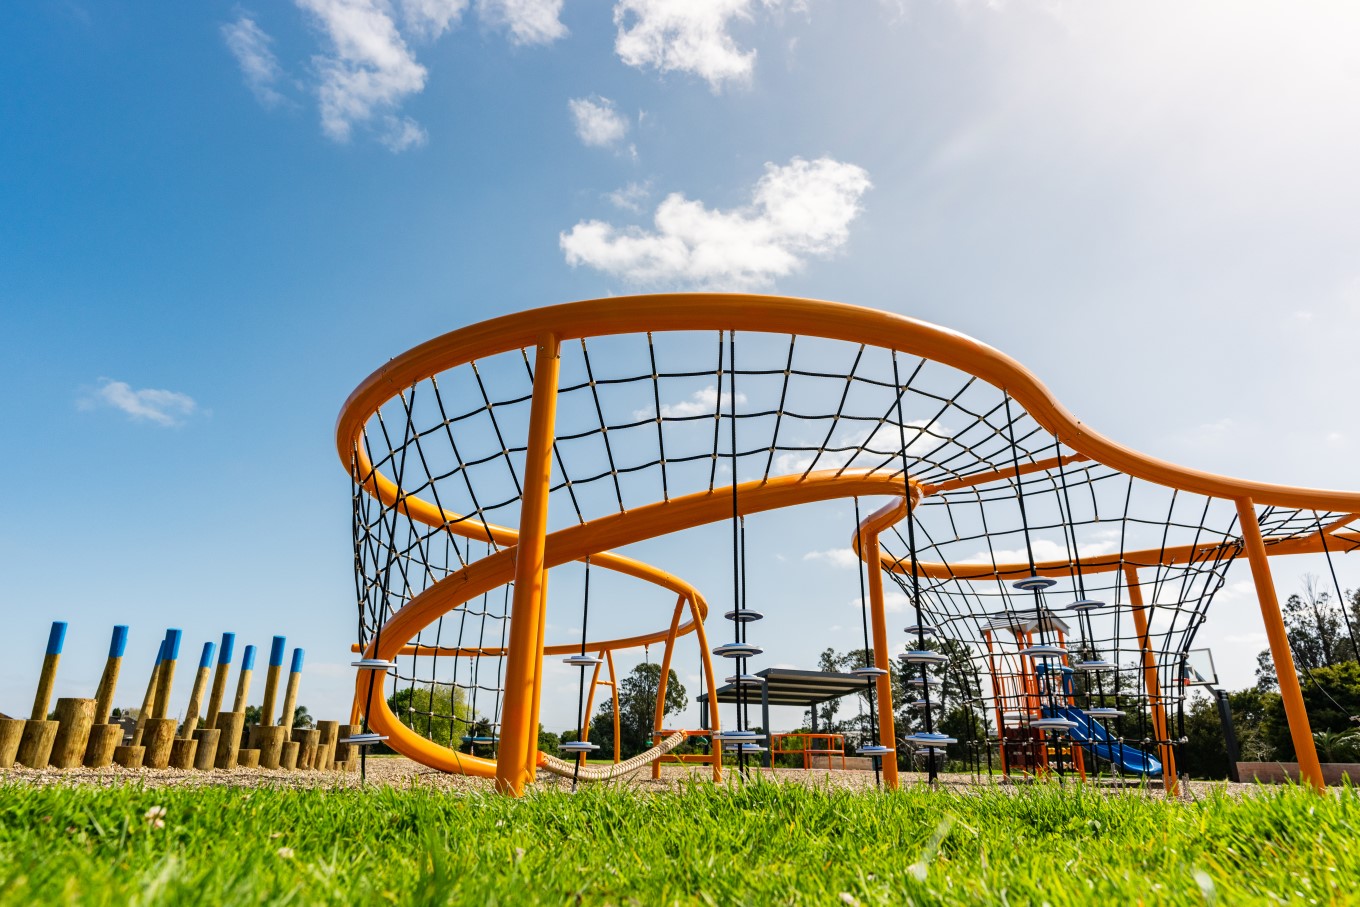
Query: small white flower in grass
(848, 898)
(285, 853)
(1206, 886)
(277, 834)
(155, 817)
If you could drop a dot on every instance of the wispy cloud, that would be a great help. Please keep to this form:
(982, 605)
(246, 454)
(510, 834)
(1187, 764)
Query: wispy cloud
(598, 121)
(163, 407)
(250, 45)
(368, 73)
(836, 557)
(702, 402)
(527, 21)
(426, 20)
(686, 36)
(630, 197)
(801, 209)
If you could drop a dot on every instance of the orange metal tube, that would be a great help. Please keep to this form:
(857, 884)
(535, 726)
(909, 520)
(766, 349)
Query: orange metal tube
(614, 692)
(887, 732)
(1299, 731)
(659, 713)
(519, 741)
(1152, 681)
(531, 762)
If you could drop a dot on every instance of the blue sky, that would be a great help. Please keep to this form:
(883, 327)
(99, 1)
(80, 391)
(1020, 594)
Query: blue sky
(220, 217)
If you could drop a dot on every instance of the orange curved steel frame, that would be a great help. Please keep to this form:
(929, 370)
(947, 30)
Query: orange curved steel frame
(530, 550)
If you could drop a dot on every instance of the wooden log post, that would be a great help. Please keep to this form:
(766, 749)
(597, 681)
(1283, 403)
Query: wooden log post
(148, 698)
(248, 758)
(35, 745)
(219, 684)
(75, 717)
(205, 755)
(229, 726)
(105, 737)
(185, 748)
(159, 737)
(325, 751)
(266, 736)
(289, 756)
(11, 732)
(308, 739)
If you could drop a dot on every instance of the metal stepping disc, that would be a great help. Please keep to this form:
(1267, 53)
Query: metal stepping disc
(1104, 713)
(875, 749)
(1032, 583)
(481, 739)
(1053, 724)
(582, 661)
(744, 615)
(1085, 604)
(363, 739)
(577, 746)
(921, 630)
(922, 704)
(933, 739)
(373, 664)
(744, 748)
(1015, 717)
(928, 682)
(869, 672)
(737, 650)
(1093, 664)
(924, 657)
(737, 736)
(1045, 652)
(745, 680)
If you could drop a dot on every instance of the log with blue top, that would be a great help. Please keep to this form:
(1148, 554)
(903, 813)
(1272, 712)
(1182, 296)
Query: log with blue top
(209, 736)
(132, 754)
(35, 745)
(185, 747)
(266, 736)
(231, 723)
(291, 747)
(159, 735)
(105, 737)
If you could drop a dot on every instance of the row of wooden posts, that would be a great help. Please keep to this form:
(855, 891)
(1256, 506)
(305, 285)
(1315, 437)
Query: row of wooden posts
(83, 734)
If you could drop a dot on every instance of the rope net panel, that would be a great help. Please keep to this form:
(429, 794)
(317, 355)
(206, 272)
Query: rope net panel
(646, 418)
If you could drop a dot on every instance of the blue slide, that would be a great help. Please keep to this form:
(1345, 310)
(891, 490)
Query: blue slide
(1093, 737)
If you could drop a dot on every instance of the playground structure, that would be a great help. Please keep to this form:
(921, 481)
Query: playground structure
(83, 733)
(1056, 580)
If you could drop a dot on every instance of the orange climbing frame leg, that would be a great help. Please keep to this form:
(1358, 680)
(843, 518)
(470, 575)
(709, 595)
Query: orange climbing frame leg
(519, 737)
(1299, 731)
(1151, 680)
(887, 733)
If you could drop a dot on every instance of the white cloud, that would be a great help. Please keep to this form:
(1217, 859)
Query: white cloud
(369, 72)
(168, 408)
(528, 21)
(400, 133)
(836, 557)
(598, 122)
(801, 209)
(428, 19)
(630, 197)
(700, 403)
(685, 36)
(1044, 550)
(884, 437)
(250, 45)
(895, 601)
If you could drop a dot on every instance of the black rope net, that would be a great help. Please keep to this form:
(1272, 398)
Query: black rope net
(647, 418)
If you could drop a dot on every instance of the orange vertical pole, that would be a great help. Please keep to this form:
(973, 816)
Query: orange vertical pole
(1151, 679)
(659, 714)
(998, 690)
(1299, 731)
(887, 733)
(584, 732)
(531, 764)
(614, 693)
(519, 741)
(701, 637)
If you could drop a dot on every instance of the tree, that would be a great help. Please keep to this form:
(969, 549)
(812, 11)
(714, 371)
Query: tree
(637, 709)
(1317, 629)
(436, 711)
(1331, 696)
(302, 717)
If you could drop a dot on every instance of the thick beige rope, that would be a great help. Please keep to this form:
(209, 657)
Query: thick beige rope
(614, 770)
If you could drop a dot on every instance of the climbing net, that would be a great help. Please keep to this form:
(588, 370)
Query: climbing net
(1130, 566)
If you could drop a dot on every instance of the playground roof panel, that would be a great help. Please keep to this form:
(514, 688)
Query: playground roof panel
(788, 686)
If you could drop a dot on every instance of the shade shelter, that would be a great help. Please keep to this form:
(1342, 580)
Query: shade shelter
(788, 686)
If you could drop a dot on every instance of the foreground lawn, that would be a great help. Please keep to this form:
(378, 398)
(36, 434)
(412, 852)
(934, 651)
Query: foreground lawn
(758, 844)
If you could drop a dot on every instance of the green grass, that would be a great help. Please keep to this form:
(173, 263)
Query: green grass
(758, 844)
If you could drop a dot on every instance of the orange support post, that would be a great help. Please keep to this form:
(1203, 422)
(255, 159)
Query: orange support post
(887, 732)
(659, 713)
(519, 741)
(1299, 731)
(1152, 680)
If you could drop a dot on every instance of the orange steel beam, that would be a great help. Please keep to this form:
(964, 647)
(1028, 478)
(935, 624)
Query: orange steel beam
(583, 733)
(995, 475)
(659, 713)
(518, 751)
(574, 543)
(887, 733)
(771, 314)
(1152, 680)
(614, 694)
(1299, 731)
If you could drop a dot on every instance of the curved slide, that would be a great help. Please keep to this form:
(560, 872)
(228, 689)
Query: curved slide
(1093, 736)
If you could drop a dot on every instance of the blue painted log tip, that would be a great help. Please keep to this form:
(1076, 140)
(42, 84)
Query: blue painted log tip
(208, 649)
(57, 638)
(118, 645)
(228, 648)
(276, 652)
(297, 662)
(248, 659)
(172, 638)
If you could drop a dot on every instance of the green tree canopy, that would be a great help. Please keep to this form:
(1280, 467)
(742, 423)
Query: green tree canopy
(637, 708)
